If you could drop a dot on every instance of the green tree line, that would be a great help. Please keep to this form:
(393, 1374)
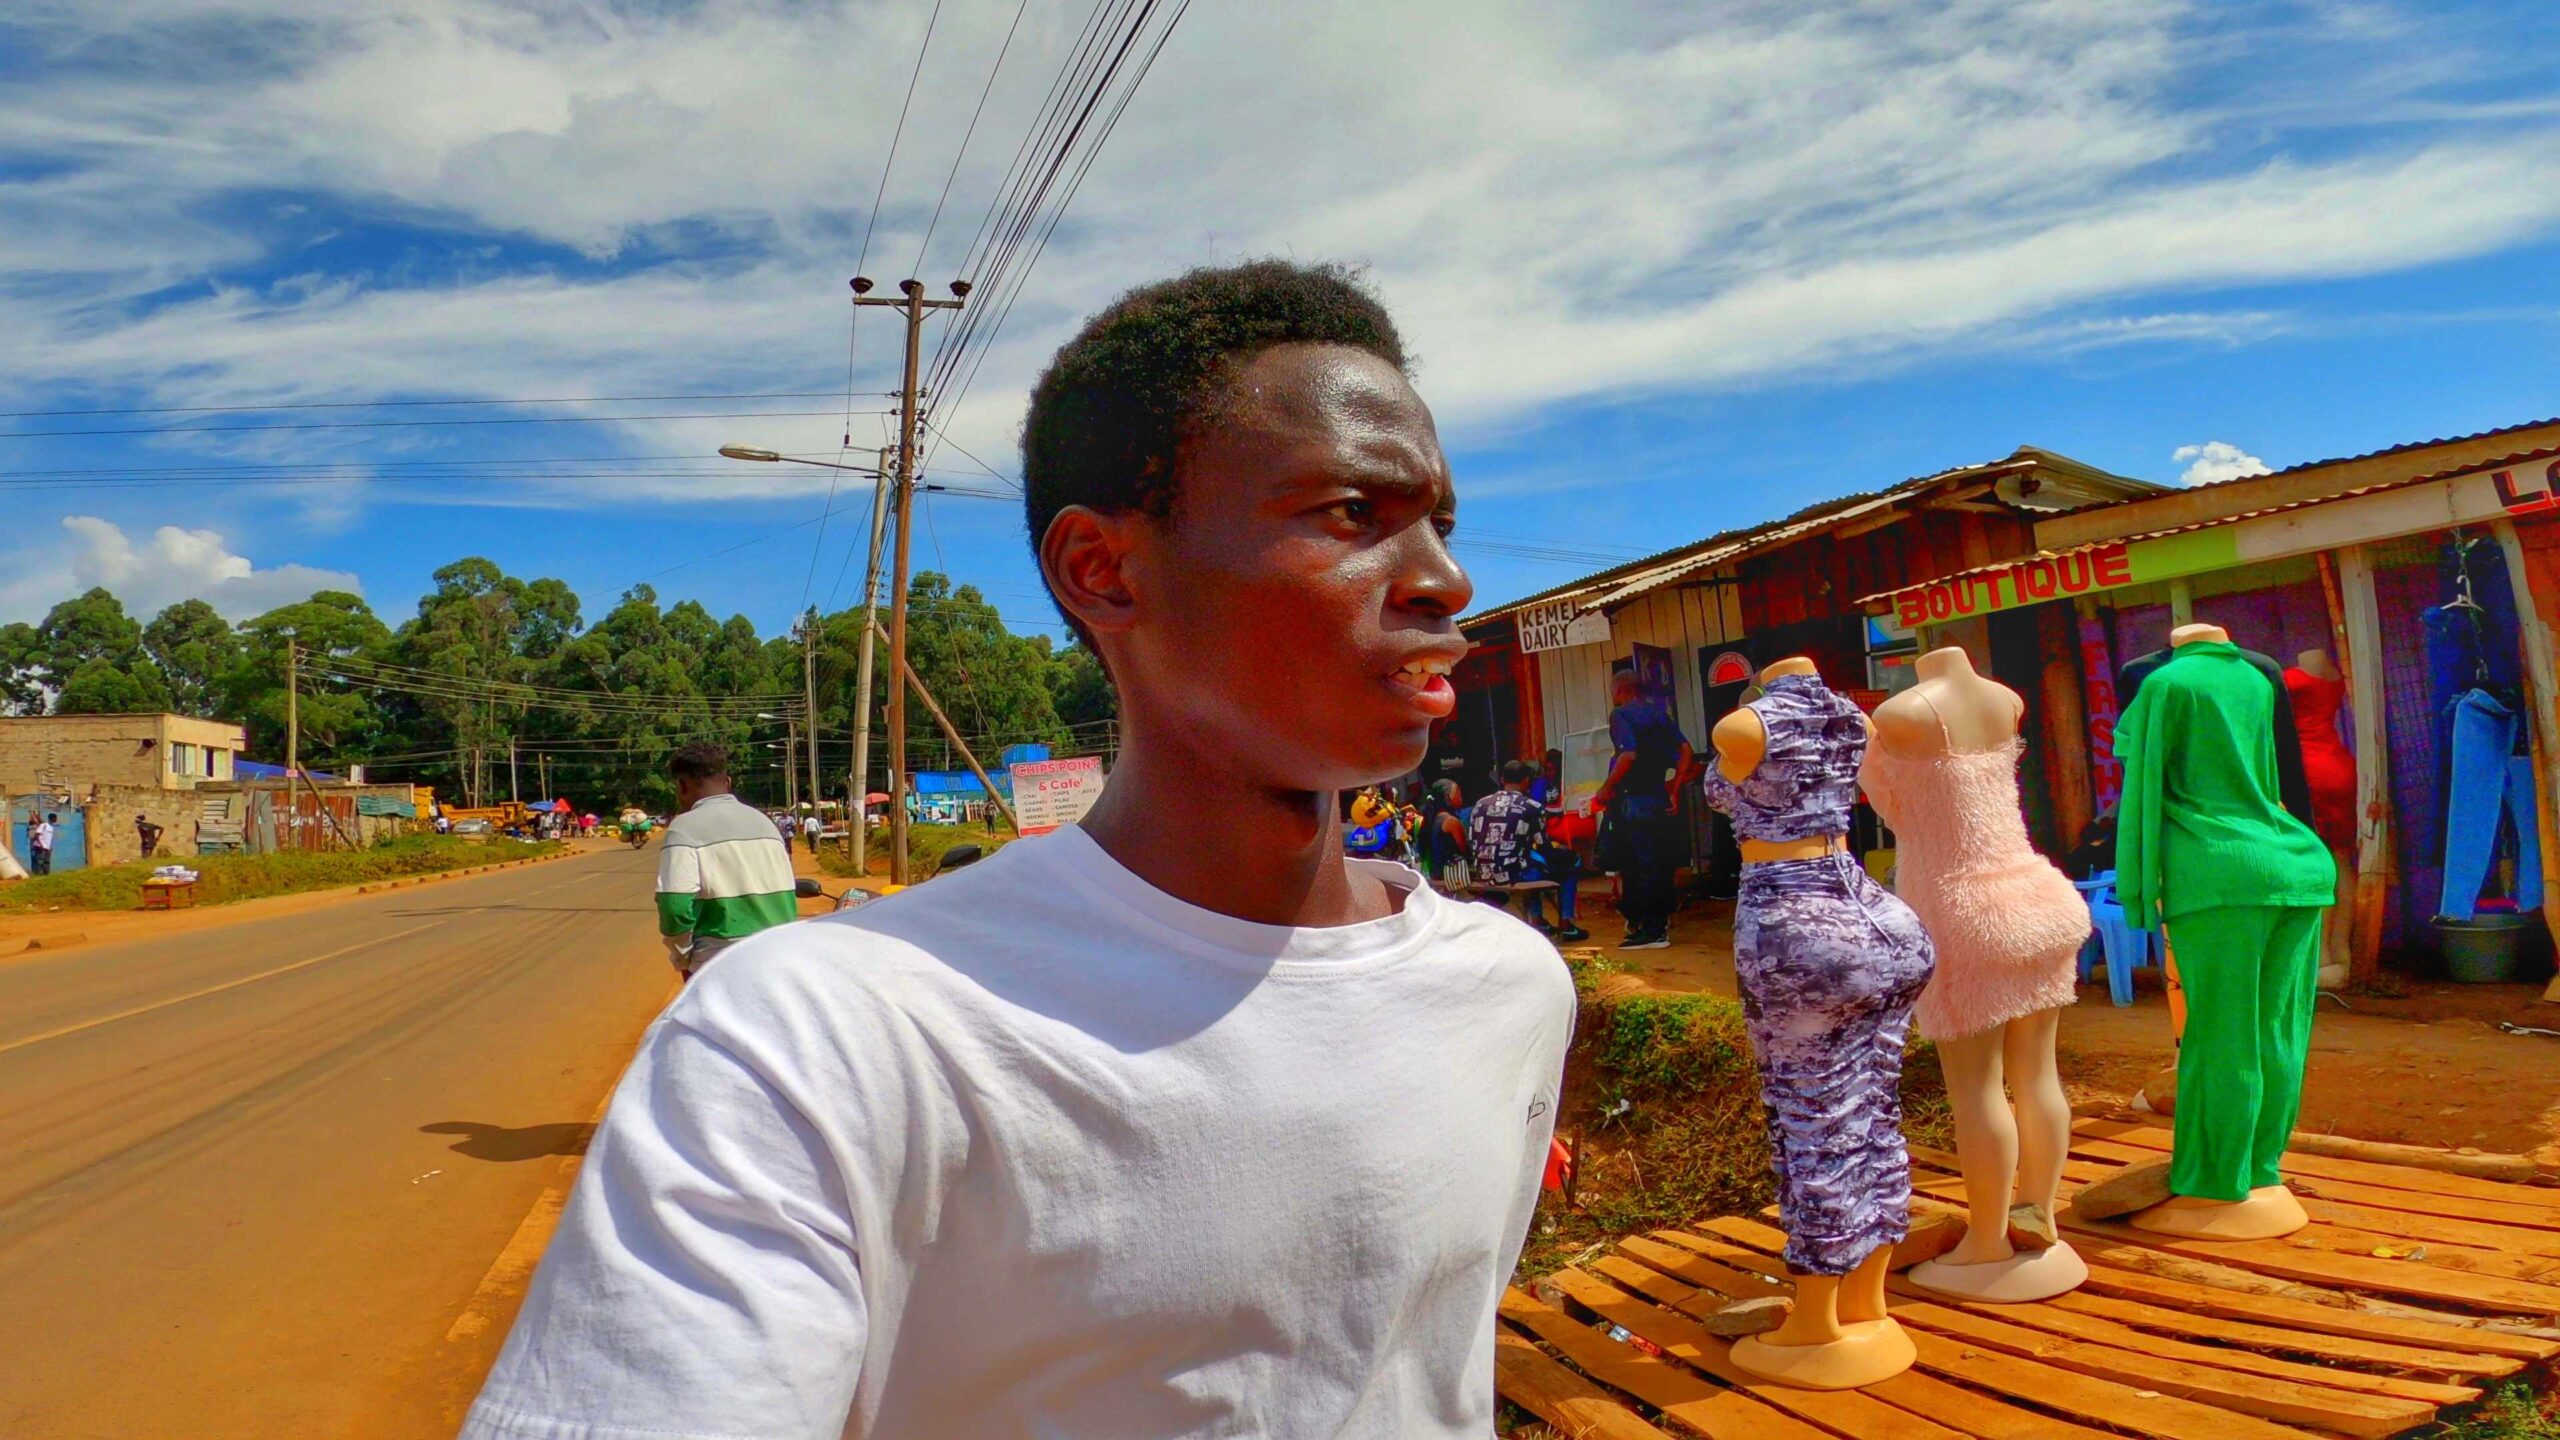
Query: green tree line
(493, 666)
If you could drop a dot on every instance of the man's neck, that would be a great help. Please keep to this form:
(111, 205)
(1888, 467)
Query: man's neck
(1271, 856)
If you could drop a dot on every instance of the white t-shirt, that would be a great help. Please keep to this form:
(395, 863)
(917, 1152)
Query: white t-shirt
(1037, 1149)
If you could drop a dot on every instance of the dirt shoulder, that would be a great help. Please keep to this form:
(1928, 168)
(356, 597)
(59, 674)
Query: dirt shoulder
(2427, 1067)
(24, 933)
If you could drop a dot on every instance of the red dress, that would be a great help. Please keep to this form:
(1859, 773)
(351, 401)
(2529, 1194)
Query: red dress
(2328, 766)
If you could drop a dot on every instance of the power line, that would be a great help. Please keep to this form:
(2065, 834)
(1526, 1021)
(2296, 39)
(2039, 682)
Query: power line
(389, 404)
(409, 424)
(962, 153)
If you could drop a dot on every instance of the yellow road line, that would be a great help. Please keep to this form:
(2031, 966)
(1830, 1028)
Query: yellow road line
(21, 1044)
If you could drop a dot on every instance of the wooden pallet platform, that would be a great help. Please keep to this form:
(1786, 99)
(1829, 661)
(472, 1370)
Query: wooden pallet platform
(2410, 1290)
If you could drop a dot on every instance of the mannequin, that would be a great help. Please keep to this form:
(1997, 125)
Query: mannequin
(2206, 844)
(2008, 928)
(2329, 769)
(1829, 966)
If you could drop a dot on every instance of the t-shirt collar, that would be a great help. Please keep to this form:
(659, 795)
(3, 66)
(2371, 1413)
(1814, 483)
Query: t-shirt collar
(1283, 947)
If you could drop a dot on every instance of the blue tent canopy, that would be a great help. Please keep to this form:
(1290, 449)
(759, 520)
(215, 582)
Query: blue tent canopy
(946, 782)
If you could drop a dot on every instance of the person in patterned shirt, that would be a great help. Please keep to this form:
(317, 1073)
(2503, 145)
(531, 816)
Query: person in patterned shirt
(1504, 830)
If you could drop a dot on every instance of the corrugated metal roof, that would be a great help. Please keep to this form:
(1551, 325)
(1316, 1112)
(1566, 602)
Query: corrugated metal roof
(1662, 566)
(2378, 486)
(2378, 454)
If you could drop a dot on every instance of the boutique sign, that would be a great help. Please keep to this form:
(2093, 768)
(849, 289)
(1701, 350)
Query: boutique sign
(2092, 570)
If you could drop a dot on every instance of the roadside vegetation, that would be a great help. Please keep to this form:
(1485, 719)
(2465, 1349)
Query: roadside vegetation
(1665, 1098)
(226, 878)
(926, 845)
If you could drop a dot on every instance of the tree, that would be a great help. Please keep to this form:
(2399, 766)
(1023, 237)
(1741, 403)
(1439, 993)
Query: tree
(1080, 690)
(85, 628)
(194, 647)
(336, 722)
(21, 670)
(103, 687)
(991, 682)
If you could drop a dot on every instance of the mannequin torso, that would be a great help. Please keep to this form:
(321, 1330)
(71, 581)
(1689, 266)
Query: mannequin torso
(1952, 710)
(1741, 742)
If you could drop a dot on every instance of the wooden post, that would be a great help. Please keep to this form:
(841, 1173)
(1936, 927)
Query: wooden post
(953, 736)
(2539, 677)
(858, 825)
(809, 707)
(2362, 662)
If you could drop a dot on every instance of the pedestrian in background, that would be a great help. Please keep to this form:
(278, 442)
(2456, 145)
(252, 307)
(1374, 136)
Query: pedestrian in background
(40, 845)
(723, 872)
(1641, 800)
(148, 833)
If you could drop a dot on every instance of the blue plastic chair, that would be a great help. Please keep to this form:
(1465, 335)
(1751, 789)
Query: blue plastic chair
(2112, 938)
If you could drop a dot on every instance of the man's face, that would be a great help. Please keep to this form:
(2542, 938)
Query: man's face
(1297, 610)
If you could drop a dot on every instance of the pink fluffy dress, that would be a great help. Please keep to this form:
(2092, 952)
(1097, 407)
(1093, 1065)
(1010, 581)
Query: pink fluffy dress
(2008, 925)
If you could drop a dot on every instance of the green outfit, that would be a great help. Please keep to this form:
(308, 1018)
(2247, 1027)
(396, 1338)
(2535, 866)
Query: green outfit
(2204, 843)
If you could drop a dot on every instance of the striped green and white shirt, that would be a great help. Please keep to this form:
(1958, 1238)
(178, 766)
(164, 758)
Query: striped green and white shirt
(723, 873)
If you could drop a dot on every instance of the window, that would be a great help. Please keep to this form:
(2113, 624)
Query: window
(182, 758)
(217, 763)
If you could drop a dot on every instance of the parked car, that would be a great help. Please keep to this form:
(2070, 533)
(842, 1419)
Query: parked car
(472, 827)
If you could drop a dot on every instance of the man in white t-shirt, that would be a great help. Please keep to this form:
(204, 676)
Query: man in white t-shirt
(1174, 1122)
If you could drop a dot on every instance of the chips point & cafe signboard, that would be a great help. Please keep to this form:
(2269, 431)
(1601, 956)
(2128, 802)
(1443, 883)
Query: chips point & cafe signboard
(1048, 794)
(2505, 490)
(1558, 625)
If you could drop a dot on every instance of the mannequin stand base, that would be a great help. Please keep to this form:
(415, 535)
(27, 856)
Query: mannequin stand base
(1866, 1353)
(2024, 1276)
(2268, 1213)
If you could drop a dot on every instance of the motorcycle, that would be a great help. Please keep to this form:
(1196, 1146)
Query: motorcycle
(957, 857)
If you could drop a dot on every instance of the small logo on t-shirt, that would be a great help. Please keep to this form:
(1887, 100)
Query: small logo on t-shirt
(1537, 1108)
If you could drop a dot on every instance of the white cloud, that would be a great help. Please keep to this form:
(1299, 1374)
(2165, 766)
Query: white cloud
(2215, 461)
(174, 564)
(1560, 202)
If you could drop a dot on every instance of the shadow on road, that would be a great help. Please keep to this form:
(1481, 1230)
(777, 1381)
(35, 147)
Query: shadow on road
(502, 1143)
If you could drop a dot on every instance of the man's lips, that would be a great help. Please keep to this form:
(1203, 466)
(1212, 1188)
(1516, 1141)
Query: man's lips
(1424, 684)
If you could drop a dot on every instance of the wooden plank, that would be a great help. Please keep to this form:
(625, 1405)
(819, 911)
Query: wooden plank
(2481, 1249)
(2363, 1272)
(2363, 1172)
(1523, 1375)
(2104, 1402)
(1682, 1397)
(2078, 1323)
(2150, 1366)
(2344, 1350)
(2536, 1217)
(2283, 1401)
(1966, 1410)
(2136, 1273)
(1844, 1411)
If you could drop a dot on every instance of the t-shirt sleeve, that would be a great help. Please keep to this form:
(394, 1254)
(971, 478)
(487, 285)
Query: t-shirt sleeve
(679, 887)
(1623, 731)
(703, 1281)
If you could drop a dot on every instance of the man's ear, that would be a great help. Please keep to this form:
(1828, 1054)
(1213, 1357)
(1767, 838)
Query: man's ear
(1085, 555)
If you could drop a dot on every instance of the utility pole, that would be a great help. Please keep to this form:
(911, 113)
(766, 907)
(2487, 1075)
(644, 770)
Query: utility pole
(809, 701)
(857, 814)
(791, 767)
(292, 708)
(913, 306)
(514, 795)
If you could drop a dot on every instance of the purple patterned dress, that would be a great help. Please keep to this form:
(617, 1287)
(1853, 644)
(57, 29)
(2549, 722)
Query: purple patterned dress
(1829, 965)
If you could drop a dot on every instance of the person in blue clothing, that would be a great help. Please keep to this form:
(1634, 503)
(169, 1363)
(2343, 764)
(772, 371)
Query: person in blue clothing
(1563, 861)
(1641, 798)
(1443, 841)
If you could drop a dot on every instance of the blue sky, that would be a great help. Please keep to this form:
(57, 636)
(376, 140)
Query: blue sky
(1668, 269)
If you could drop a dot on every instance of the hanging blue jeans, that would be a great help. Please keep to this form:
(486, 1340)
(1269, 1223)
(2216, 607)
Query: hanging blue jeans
(2490, 783)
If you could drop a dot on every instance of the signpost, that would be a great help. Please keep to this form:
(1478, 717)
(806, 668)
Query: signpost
(1051, 793)
(1556, 626)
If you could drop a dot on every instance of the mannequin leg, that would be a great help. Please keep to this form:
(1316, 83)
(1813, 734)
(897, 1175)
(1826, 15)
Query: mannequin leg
(1986, 1142)
(2043, 1110)
(1862, 1289)
(2221, 1068)
(2291, 986)
(1816, 1318)
(2340, 916)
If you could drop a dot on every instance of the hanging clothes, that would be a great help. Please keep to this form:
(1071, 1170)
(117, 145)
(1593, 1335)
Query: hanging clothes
(2328, 766)
(2490, 797)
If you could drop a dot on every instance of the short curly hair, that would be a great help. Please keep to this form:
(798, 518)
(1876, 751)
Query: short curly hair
(698, 760)
(1117, 400)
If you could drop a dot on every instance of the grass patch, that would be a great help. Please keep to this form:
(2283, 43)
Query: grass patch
(925, 847)
(2513, 1411)
(227, 878)
(1666, 1097)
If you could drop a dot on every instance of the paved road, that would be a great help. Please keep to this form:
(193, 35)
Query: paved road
(250, 1176)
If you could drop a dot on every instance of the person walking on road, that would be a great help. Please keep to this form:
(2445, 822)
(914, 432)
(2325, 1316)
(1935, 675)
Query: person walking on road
(723, 873)
(1172, 1122)
(40, 845)
(810, 829)
(1642, 800)
(148, 833)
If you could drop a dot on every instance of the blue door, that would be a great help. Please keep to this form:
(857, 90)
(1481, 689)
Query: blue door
(70, 831)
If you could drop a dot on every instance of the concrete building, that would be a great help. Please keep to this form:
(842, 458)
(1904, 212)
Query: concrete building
(71, 754)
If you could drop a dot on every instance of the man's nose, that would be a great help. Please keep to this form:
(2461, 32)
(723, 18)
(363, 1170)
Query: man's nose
(1429, 579)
